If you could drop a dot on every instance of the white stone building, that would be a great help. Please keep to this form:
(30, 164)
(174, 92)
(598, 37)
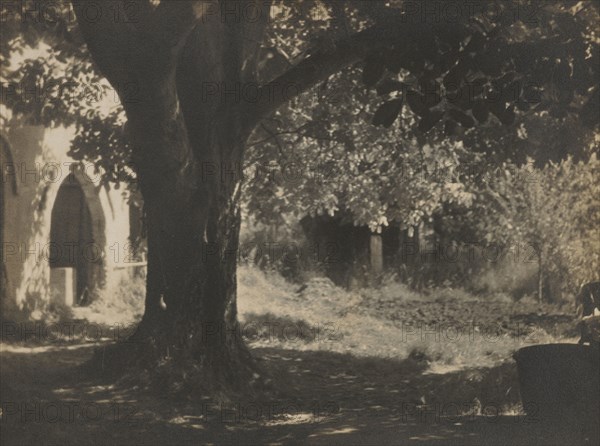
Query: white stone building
(64, 236)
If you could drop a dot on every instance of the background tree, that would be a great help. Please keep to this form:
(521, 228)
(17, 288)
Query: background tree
(551, 213)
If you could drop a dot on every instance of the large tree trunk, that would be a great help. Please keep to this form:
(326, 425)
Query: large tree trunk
(188, 153)
(191, 197)
(191, 290)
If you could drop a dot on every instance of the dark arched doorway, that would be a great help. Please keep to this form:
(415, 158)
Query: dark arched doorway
(74, 240)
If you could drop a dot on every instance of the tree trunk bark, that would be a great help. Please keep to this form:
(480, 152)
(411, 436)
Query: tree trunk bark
(191, 189)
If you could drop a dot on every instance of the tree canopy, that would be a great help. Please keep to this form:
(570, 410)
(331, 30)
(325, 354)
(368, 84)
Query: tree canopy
(455, 66)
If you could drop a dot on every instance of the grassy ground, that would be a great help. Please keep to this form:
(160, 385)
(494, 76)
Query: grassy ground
(380, 366)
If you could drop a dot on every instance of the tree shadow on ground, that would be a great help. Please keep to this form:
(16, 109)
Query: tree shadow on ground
(326, 398)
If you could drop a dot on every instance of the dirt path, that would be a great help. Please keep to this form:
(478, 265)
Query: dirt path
(335, 399)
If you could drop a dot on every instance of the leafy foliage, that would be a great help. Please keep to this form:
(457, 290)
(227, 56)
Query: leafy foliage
(554, 209)
(544, 59)
(335, 160)
(496, 85)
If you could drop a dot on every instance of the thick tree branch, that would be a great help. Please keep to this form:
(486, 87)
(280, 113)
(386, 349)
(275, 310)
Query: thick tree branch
(170, 25)
(124, 47)
(105, 37)
(253, 37)
(325, 62)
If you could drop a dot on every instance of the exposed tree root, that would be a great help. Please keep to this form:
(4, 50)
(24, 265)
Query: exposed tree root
(227, 375)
